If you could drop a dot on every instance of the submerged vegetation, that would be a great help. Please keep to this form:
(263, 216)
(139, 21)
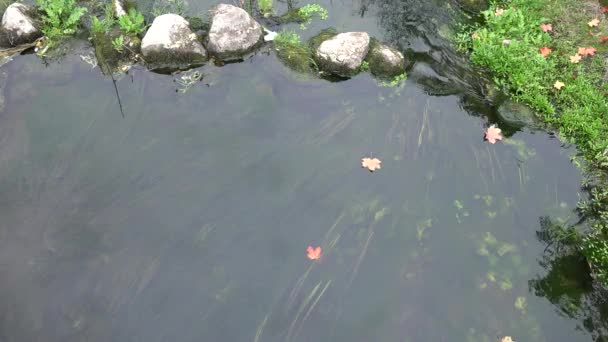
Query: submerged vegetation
(550, 55)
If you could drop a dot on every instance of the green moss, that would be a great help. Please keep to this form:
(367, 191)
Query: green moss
(292, 52)
(379, 66)
(322, 36)
(508, 45)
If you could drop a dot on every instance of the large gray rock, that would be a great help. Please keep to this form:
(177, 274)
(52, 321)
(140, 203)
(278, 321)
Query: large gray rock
(343, 54)
(233, 32)
(385, 61)
(19, 25)
(169, 41)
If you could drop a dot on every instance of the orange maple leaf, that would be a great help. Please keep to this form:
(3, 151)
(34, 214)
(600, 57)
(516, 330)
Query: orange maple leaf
(575, 59)
(546, 27)
(499, 11)
(590, 51)
(372, 164)
(545, 51)
(603, 39)
(586, 51)
(493, 134)
(313, 253)
(604, 9)
(594, 22)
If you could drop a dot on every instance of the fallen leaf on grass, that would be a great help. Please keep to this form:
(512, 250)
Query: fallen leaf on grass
(506, 42)
(558, 85)
(475, 35)
(546, 27)
(545, 51)
(493, 134)
(313, 253)
(372, 164)
(591, 51)
(603, 39)
(604, 9)
(575, 59)
(499, 11)
(594, 22)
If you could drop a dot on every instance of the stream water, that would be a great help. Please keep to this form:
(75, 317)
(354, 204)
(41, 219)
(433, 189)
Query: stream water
(188, 218)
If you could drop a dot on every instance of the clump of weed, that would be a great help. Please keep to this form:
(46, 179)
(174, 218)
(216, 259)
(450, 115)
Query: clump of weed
(292, 52)
(60, 18)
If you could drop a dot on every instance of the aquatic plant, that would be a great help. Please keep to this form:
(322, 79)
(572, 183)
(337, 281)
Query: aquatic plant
(308, 11)
(265, 6)
(292, 52)
(187, 80)
(396, 81)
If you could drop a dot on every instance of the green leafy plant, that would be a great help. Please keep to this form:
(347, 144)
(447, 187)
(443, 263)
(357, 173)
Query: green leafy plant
(133, 22)
(118, 43)
(287, 37)
(308, 11)
(364, 66)
(60, 17)
(265, 6)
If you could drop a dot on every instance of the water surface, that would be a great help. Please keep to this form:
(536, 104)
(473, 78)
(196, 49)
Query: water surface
(187, 219)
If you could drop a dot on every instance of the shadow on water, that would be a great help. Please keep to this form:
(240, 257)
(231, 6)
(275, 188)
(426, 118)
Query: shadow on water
(188, 218)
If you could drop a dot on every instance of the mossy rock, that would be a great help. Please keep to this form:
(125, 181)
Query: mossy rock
(516, 114)
(295, 56)
(322, 36)
(110, 59)
(384, 62)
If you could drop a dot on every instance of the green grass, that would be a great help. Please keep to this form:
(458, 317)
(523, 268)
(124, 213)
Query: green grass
(508, 45)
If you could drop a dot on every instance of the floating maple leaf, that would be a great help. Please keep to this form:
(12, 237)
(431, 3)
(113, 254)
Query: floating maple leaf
(575, 59)
(313, 253)
(372, 164)
(506, 339)
(493, 134)
(545, 51)
(594, 22)
(499, 11)
(558, 85)
(546, 27)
